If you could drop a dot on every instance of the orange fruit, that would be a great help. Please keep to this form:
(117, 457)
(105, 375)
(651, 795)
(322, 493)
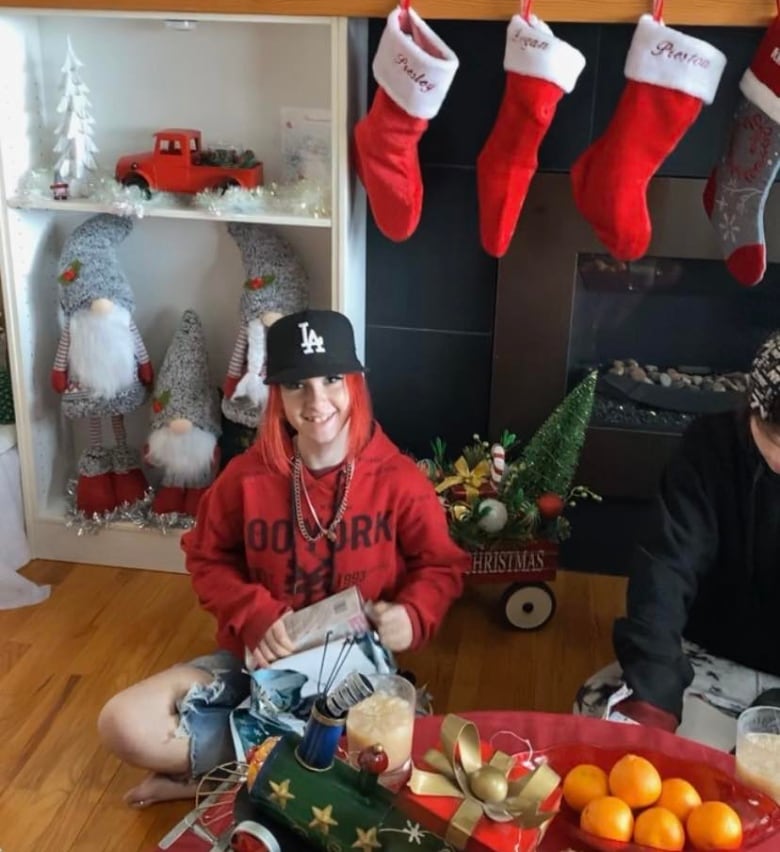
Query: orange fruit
(608, 817)
(660, 829)
(635, 780)
(678, 796)
(714, 825)
(584, 783)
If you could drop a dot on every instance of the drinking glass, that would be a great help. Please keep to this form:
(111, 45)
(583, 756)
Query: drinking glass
(758, 749)
(385, 717)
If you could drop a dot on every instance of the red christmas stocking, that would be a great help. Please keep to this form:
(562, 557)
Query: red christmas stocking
(670, 75)
(414, 72)
(540, 69)
(739, 186)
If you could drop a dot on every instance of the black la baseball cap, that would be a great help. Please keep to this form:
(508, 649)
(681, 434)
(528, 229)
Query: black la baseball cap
(765, 379)
(308, 344)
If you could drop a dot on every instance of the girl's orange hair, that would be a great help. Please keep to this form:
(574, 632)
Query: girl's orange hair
(272, 436)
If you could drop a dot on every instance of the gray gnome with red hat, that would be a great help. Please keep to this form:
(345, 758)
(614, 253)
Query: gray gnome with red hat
(185, 423)
(101, 368)
(276, 284)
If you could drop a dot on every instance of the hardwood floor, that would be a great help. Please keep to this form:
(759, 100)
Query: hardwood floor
(104, 628)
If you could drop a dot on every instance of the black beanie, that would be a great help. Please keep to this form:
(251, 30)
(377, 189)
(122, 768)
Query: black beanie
(765, 380)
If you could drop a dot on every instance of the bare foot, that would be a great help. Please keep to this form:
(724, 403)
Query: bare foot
(159, 788)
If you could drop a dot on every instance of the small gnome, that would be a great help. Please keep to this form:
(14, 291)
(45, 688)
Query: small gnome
(276, 285)
(101, 368)
(185, 422)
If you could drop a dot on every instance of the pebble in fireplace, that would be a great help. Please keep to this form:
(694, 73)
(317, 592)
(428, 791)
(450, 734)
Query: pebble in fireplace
(646, 396)
(564, 307)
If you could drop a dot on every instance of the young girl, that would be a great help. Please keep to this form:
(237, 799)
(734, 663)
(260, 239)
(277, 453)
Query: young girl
(322, 501)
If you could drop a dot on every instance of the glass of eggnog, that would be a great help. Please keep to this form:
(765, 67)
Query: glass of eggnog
(758, 750)
(386, 718)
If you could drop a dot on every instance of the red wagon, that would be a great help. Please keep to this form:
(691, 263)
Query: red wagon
(528, 602)
(506, 504)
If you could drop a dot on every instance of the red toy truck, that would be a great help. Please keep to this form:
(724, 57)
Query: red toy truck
(179, 163)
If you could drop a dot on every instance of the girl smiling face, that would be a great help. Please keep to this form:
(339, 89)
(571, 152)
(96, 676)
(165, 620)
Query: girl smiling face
(318, 410)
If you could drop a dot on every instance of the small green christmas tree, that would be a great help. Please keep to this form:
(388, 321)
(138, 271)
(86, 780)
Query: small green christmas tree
(549, 459)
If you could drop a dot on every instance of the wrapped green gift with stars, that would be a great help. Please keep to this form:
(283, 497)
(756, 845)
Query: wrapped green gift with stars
(337, 808)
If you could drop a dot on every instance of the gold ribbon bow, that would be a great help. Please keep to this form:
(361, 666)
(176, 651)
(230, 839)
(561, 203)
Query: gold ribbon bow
(485, 788)
(469, 478)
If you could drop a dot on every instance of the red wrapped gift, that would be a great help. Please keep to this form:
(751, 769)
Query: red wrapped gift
(477, 798)
(467, 484)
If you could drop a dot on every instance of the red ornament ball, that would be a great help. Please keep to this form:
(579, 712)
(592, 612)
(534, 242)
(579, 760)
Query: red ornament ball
(550, 505)
(373, 759)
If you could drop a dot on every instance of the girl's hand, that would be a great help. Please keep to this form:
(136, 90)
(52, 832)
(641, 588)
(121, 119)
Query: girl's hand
(273, 646)
(392, 623)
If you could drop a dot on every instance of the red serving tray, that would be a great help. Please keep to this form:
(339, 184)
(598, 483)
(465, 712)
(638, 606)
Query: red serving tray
(759, 814)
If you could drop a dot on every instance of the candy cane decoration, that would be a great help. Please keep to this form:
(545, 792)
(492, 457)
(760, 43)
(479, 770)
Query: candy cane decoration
(497, 464)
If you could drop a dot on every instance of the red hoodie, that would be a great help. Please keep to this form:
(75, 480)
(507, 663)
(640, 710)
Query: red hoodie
(249, 562)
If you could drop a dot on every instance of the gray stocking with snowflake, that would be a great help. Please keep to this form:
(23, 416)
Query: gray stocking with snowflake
(737, 190)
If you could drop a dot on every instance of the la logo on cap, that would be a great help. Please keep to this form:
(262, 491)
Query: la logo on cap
(311, 342)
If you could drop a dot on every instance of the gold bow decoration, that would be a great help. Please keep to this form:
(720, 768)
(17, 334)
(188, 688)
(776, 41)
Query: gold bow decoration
(460, 511)
(484, 788)
(469, 479)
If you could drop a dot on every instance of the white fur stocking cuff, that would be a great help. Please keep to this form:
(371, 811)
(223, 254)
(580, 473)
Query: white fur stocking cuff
(761, 95)
(666, 57)
(416, 71)
(533, 50)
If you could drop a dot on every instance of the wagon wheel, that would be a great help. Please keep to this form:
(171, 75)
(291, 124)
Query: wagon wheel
(528, 606)
(141, 182)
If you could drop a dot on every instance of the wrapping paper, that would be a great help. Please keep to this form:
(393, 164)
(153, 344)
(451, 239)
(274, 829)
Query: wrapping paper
(443, 799)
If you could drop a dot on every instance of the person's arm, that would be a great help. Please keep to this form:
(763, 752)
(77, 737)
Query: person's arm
(435, 565)
(664, 582)
(215, 560)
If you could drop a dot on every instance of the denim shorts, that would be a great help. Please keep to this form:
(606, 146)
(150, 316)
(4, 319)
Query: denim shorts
(204, 712)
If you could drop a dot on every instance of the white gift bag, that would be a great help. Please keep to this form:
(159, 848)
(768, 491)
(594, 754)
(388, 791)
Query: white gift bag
(15, 591)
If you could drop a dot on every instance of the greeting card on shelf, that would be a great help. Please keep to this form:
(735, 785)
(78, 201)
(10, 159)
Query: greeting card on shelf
(306, 144)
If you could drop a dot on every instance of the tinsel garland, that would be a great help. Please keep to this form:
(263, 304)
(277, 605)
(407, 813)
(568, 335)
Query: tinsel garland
(300, 198)
(97, 187)
(85, 524)
(138, 513)
(167, 521)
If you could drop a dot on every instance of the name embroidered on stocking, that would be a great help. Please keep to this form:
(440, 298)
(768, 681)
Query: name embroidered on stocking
(667, 50)
(417, 77)
(526, 41)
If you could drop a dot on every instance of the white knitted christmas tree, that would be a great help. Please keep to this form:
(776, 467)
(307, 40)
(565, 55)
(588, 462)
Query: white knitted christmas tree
(75, 144)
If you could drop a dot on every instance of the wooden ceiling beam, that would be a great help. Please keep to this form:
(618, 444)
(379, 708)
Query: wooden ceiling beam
(677, 12)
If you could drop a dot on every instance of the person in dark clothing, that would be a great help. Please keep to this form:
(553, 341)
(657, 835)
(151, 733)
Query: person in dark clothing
(704, 590)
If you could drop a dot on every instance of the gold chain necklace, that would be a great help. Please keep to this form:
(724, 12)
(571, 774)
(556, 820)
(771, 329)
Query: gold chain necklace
(299, 487)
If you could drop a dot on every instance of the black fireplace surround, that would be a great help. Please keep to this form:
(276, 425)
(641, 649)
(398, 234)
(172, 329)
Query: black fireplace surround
(448, 342)
(458, 343)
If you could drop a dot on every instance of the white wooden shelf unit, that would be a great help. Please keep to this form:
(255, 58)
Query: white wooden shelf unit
(228, 76)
